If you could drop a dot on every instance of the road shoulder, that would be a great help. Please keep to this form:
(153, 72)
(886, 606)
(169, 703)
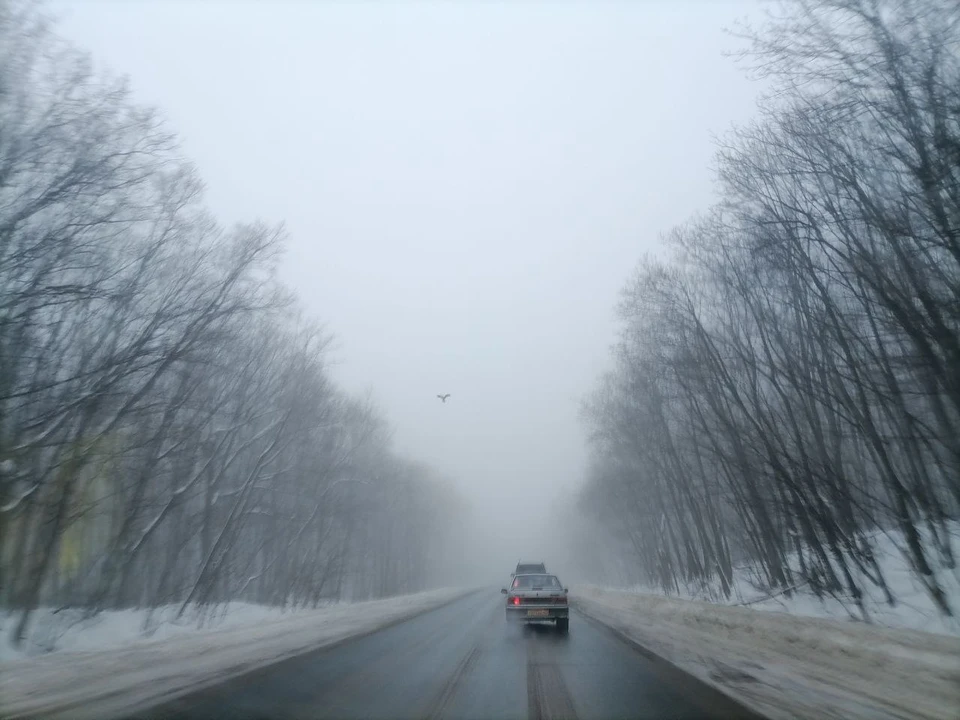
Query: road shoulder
(783, 666)
(111, 683)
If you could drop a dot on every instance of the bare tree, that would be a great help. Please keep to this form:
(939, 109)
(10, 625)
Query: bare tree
(168, 429)
(785, 385)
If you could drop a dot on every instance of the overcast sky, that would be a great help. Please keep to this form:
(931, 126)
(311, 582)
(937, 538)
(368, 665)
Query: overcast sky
(467, 186)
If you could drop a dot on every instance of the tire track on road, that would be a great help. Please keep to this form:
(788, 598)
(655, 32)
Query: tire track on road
(445, 701)
(449, 689)
(547, 695)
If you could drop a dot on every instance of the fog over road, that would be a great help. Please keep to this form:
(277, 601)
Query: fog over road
(459, 661)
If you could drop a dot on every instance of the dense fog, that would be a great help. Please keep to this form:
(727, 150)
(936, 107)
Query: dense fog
(246, 248)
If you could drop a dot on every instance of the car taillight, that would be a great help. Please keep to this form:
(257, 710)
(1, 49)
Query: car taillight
(515, 600)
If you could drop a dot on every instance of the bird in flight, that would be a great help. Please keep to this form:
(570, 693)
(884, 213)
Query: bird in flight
(443, 398)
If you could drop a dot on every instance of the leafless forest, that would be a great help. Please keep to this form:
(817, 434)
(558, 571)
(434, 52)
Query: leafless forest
(785, 385)
(169, 432)
(787, 376)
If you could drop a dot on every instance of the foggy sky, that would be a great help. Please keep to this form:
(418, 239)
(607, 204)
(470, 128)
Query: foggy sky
(466, 186)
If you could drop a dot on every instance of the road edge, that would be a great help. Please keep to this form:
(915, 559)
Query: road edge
(100, 707)
(711, 699)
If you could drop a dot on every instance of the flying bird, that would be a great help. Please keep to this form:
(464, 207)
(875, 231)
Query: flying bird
(443, 398)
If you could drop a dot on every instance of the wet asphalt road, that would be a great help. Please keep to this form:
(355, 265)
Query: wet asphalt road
(459, 661)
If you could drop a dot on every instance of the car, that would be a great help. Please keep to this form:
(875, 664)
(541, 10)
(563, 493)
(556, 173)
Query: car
(529, 567)
(537, 597)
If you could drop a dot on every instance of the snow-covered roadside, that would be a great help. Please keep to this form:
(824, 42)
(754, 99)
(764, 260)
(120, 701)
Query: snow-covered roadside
(785, 666)
(914, 609)
(57, 630)
(79, 684)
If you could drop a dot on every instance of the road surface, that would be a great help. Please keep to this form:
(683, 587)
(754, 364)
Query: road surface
(459, 661)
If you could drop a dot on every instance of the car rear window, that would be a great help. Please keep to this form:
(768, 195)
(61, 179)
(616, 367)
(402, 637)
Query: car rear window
(525, 582)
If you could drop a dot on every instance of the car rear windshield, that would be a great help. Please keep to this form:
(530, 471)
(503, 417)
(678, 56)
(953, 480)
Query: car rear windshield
(529, 582)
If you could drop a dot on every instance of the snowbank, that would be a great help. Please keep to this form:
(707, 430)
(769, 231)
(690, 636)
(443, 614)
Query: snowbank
(785, 666)
(914, 609)
(97, 684)
(52, 630)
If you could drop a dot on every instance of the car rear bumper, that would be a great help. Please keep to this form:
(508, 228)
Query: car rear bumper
(534, 613)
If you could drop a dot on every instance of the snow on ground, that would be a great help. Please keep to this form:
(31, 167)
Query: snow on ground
(786, 666)
(914, 609)
(68, 629)
(803, 657)
(79, 682)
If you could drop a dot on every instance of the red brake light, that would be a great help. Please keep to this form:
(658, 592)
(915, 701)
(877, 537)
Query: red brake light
(515, 600)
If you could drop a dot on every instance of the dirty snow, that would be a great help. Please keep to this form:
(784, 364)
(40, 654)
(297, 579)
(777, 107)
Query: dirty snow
(79, 682)
(786, 666)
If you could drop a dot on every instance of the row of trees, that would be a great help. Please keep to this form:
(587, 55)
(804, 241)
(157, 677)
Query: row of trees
(787, 382)
(168, 430)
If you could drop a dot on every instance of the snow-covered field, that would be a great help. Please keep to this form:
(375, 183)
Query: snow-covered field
(914, 609)
(86, 680)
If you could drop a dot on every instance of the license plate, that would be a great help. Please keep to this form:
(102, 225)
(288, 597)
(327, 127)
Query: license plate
(538, 613)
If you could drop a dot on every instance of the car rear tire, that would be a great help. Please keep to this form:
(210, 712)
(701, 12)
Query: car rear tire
(563, 625)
